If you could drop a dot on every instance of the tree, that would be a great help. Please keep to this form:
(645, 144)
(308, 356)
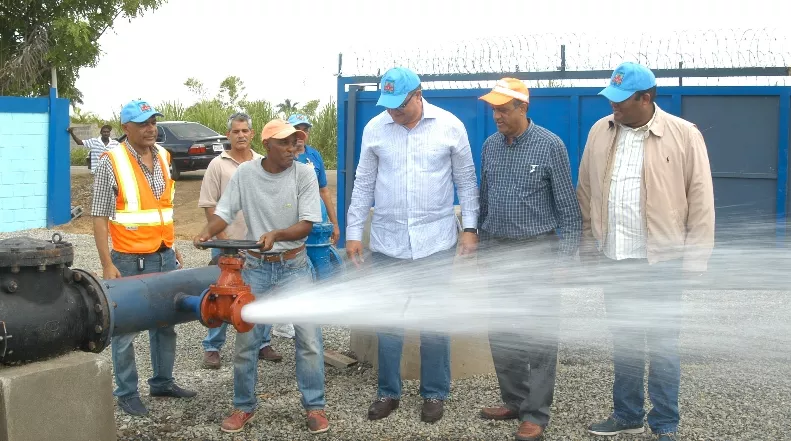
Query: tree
(196, 86)
(287, 107)
(309, 109)
(38, 34)
(231, 91)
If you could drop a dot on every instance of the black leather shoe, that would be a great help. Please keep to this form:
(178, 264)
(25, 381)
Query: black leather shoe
(133, 406)
(432, 410)
(381, 408)
(174, 392)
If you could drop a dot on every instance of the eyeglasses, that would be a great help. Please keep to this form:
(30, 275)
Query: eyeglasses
(406, 101)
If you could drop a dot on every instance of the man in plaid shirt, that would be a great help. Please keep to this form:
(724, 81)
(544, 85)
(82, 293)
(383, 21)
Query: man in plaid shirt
(528, 208)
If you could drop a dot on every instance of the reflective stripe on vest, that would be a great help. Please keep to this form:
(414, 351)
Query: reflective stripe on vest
(142, 222)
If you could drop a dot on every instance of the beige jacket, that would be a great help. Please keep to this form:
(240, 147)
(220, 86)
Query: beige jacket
(677, 193)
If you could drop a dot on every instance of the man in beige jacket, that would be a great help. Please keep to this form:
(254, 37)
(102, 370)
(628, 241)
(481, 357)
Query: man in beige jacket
(647, 202)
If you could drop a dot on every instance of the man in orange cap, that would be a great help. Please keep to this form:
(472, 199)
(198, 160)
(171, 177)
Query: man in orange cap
(528, 203)
(279, 198)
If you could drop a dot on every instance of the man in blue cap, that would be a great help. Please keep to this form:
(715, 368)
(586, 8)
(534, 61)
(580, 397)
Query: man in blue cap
(131, 183)
(411, 157)
(310, 156)
(647, 202)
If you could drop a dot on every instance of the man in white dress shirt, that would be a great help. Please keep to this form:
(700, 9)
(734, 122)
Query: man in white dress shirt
(647, 202)
(412, 154)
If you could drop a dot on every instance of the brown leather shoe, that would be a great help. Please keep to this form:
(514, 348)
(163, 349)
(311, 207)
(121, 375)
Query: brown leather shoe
(317, 421)
(381, 408)
(529, 432)
(432, 410)
(237, 420)
(499, 413)
(211, 360)
(268, 353)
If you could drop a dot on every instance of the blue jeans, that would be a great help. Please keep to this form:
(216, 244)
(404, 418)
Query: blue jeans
(161, 340)
(215, 338)
(640, 313)
(263, 278)
(434, 347)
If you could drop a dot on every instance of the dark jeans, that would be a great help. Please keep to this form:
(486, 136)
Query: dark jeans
(644, 306)
(524, 344)
(434, 347)
(162, 341)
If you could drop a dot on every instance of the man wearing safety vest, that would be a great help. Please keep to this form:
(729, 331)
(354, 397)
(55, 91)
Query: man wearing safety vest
(133, 205)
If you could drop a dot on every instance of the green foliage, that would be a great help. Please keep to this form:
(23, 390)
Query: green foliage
(79, 156)
(324, 134)
(261, 111)
(232, 91)
(213, 113)
(309, 109)
(287, 108)
(35, 35)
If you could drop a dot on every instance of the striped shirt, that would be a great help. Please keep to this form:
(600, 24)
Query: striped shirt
(96, 147)
(526, 189)
(626, 233)
(105, 185)
(409, 176)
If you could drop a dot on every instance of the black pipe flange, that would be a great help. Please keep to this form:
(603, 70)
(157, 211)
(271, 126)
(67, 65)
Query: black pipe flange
(46, 308)
(94, 289)
(25, 251)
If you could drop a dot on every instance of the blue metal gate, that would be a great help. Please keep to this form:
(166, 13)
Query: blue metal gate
(746, 131)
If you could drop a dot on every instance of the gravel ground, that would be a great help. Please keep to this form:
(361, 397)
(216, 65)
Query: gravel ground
(728, 392)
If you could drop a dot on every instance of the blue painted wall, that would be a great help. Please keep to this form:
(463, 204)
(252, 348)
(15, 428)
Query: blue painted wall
(746, 131)
(34, 163)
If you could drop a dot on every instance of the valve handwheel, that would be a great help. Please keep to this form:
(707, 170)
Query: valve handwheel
(225, 299)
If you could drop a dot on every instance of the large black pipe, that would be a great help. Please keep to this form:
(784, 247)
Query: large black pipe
(47, 309)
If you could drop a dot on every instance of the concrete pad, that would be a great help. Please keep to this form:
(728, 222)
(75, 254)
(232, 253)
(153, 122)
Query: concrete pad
(68, 398)
(469, 355)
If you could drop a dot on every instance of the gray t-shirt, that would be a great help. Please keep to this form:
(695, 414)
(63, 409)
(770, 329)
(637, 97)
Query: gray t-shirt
(271, 201)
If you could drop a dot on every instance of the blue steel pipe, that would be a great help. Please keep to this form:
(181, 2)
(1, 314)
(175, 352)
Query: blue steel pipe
(151, 301)
(325, 258)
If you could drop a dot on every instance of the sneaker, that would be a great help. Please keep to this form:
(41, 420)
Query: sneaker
(211, 360)
(610, 427)
(317, 421)
(237, 420)
(133, 406)
(175, 391)
(668, 437)
(268, 353)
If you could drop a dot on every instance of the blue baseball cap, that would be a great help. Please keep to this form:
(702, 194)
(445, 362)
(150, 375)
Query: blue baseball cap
(298, 118)
(396, 85)
(138, 111)
(627, 79)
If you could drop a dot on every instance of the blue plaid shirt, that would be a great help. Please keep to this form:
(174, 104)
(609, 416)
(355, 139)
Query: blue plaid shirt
(526, 189)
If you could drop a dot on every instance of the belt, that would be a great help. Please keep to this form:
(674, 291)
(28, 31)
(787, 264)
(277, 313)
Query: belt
(277, 257)
(537, 237)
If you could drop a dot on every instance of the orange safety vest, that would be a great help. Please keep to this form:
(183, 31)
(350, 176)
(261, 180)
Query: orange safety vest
(142, 223)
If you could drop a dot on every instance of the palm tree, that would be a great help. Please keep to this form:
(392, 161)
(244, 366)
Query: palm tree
(287, 107)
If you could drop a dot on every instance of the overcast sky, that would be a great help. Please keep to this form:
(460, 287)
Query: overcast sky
(281, 51)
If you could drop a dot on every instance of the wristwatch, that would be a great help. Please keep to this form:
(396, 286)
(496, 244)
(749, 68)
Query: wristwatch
(471, 230)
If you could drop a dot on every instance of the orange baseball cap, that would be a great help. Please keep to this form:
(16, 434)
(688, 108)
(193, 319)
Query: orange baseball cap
(506, 90)
(280, 129)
